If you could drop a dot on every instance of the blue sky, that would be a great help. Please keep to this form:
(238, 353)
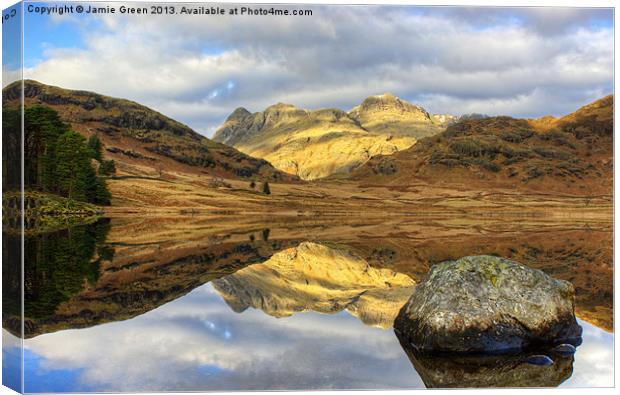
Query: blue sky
(524, 62)
(43, 32)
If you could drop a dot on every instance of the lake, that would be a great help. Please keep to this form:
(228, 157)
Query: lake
(202, 303)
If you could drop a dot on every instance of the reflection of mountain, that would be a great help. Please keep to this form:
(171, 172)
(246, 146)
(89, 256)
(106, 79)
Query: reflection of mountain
(319, 278)
(488, 371)
(582, 256)
(69, 284)
(159, 259)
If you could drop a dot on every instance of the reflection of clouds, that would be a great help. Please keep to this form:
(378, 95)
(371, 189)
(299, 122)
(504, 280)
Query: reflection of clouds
(198, 343)
(11, 361)
(594, 360)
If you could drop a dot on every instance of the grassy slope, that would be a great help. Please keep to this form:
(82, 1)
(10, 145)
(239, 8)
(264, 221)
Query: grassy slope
(142, 140)
(571, 155)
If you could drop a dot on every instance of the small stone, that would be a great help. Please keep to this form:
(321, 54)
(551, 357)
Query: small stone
(564, 349)
(541, 360)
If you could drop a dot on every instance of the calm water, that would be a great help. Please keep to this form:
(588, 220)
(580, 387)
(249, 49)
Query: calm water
(167, 309)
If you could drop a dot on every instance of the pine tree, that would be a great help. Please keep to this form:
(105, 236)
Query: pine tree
(94, 144)
(42, 127)
(11, 149)
(102, 195)
(58, 160)
(74, 172)
(107, 168)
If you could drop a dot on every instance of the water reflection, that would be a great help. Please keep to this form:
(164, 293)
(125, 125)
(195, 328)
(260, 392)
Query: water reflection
(461, 371)
(198, 343)
(58, 266)
(198, 304)
(321, 278)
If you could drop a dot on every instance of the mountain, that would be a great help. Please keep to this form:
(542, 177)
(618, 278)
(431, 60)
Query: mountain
(142, 141)
(316, 144)
(572, 154)
(321, 278)
(388, 114)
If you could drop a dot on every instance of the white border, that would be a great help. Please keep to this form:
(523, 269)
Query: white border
(521, 3)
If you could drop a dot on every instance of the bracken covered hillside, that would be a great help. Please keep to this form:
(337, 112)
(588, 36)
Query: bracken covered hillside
(572, 154)
(142, 141)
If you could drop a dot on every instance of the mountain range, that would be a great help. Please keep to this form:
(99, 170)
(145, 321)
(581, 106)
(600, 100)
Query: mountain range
(572, 154)
(385, 142)
(319, 143)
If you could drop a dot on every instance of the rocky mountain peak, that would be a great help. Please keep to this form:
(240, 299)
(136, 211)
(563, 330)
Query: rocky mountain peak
(317, 143)
(239, 113)
(388, 105)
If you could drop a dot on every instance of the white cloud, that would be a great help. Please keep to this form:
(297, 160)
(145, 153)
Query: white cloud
(445, 60)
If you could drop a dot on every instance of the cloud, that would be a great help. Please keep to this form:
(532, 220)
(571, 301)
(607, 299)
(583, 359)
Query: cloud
(521, 62)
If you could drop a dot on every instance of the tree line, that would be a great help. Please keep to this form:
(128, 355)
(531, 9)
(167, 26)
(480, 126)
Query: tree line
(57, 159)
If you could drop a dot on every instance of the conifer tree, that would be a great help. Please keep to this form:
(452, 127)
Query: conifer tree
(107, 168)
(58, 160)
(73, 164)
(94, 144)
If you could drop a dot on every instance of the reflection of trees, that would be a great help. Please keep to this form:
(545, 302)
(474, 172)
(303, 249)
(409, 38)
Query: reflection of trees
(57, 266)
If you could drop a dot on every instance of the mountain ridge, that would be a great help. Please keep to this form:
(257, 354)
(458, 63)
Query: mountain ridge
(318, 143)
(544, 154)
(143, 141)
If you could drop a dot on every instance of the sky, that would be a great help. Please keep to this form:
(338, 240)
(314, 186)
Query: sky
(523, 62)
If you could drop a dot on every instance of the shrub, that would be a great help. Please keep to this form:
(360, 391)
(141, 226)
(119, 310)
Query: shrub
(476, 148)
(559, 138)
(266, 189)
(516, 136)
(487, 165)
(467, 147)
(533, 172)
(550, 153)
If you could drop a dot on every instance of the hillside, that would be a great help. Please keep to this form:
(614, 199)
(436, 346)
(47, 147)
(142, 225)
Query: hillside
(142, 141)
(316, 144)
(572, 154)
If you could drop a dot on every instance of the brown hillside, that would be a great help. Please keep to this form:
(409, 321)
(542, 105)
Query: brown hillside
(570, 155)
(142, 141)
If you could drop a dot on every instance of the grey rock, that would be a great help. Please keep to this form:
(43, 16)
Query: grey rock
(483, 304)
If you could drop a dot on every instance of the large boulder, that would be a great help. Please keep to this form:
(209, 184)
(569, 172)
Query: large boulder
(483, 304)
